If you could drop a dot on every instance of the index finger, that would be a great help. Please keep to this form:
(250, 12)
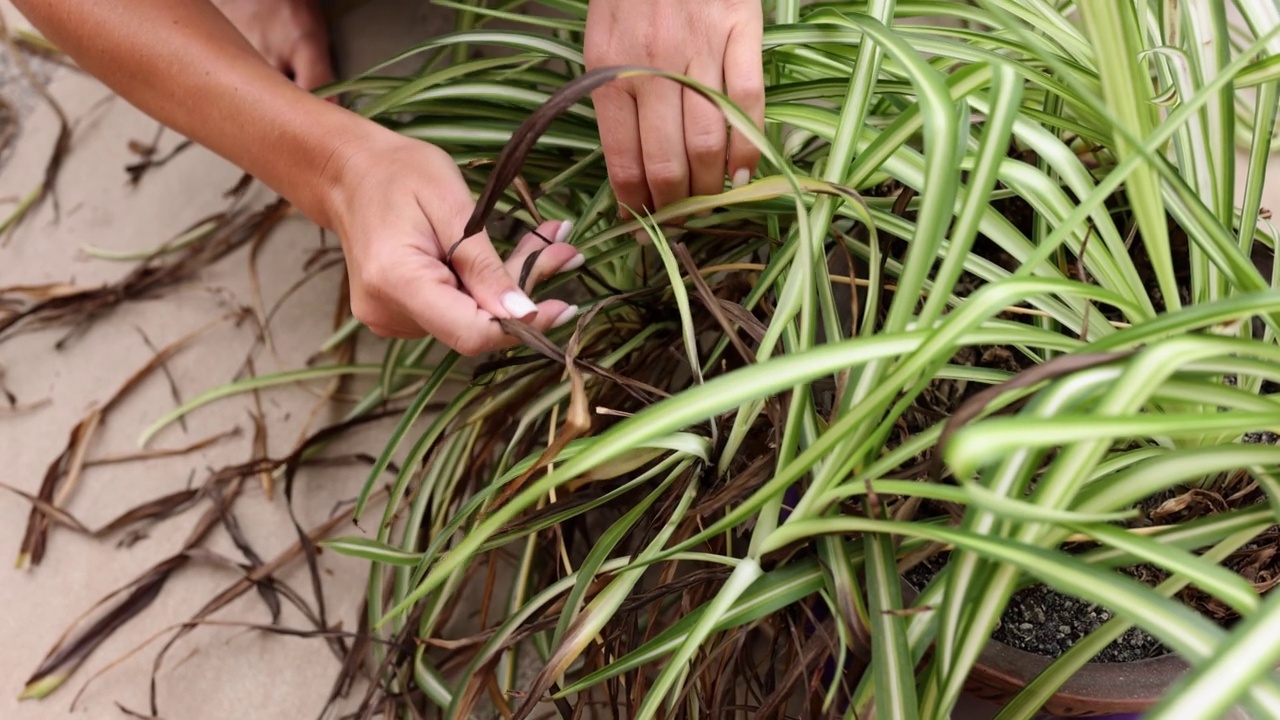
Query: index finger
(744, 84)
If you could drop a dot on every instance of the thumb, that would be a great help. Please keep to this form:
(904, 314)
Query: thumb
(486, 278)
(483, 274)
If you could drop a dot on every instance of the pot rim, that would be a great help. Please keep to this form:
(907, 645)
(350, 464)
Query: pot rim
(1002, 671)
(1096, 688)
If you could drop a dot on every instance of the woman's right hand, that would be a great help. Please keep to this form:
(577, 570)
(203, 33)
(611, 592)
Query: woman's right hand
(398, 205)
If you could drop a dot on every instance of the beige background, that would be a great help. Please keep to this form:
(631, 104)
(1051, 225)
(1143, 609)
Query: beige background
(218, 672)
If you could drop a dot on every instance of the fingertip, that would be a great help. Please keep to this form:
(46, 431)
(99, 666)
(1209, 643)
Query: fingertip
(744, 159)
(518, 305)
(564, 231)
(552, 314)
(565, 316)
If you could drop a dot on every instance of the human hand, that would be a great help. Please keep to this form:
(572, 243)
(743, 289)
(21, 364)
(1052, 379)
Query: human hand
(289, 34)
(398, 205)
(663, 142)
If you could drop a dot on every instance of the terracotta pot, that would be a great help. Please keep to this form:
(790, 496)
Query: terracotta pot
(1096, 689)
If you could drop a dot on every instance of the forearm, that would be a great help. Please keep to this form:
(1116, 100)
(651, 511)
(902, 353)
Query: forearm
(184, 64)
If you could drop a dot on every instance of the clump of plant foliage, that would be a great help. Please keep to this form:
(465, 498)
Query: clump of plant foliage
(999, 281)
(700, 498)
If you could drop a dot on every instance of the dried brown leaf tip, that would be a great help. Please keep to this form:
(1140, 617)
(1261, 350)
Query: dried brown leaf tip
(221, 489)
(516, 151)
(33, 307)
(63, 474)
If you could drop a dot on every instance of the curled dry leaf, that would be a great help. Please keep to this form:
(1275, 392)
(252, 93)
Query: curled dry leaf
(513, 154)
(63, 473)
(577, 420)
(76, 307)
(86, 633)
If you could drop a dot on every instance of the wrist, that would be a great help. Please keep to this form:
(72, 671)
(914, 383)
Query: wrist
(310, 162)
(347, 158)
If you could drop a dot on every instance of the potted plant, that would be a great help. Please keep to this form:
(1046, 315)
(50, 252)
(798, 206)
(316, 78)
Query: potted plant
(999, 311)
(996, 321)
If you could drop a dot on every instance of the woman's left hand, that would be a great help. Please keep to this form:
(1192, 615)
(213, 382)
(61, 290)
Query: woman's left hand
(663, 142)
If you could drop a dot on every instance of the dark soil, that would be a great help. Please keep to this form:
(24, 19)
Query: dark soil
(1045, 622)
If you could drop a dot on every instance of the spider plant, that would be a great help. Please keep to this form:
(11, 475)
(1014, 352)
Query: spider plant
(701, 497)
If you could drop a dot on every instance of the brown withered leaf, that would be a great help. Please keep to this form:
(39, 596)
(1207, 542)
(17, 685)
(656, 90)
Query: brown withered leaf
(34, 538)
(74, 649)
(134, 713)
(241, 186)
(42, 291)
(712, 303)
(232, 526)
(163, 452)
(506, 169)
(54, 513)
(513, 154)
(352, 664)
(150, 161)
(283, 590)
(577, 422)
(63, 473)
(240, 587)
(174, 392)
(141, 149)
(8, 124)
(531, 337)
(147, 278)
(152, 510)
(744, 319)
(84, 635)
(17, 407)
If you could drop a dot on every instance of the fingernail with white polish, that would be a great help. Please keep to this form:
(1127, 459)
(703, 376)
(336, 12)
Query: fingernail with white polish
(562, 233)
(574, 263)
(740, 177)
(569, 313)
(519, 305)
